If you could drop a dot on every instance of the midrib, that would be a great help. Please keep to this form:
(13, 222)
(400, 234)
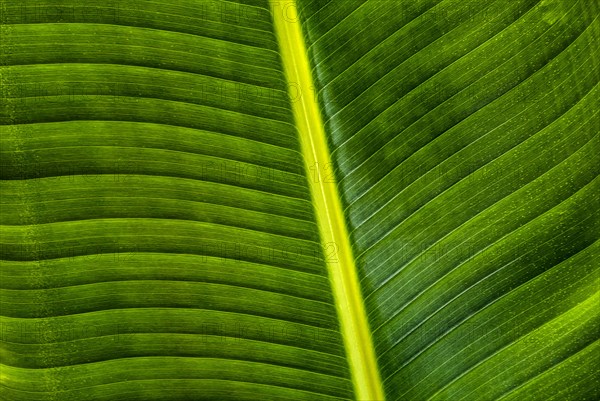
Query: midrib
(329, 212)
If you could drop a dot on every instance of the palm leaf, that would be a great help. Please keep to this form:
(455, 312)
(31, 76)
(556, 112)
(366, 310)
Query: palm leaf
(223, 200)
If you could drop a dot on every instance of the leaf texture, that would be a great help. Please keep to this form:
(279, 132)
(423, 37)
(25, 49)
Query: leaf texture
(464, 137)
(160, 240)
(158, 236)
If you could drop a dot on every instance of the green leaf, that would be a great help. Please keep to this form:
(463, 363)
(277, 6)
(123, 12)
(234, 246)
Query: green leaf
(299, 200)
(158, 238)
(465, 142)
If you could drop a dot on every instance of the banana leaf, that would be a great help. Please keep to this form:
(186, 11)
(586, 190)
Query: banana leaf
(299, 200)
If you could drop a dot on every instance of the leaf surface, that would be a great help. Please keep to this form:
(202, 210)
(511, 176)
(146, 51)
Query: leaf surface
(158, 236)
(464, 137)
(299, 200)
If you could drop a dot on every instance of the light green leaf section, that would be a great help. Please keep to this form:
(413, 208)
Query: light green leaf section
(158, 236)
(464, 136)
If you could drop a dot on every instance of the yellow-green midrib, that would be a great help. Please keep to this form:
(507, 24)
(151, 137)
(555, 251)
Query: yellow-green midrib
(325, 196)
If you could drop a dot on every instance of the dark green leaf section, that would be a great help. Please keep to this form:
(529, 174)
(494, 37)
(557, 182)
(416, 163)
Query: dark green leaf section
(158, 238)
(465, 141)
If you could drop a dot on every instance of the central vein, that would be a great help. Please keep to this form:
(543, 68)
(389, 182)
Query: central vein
(330, 217)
